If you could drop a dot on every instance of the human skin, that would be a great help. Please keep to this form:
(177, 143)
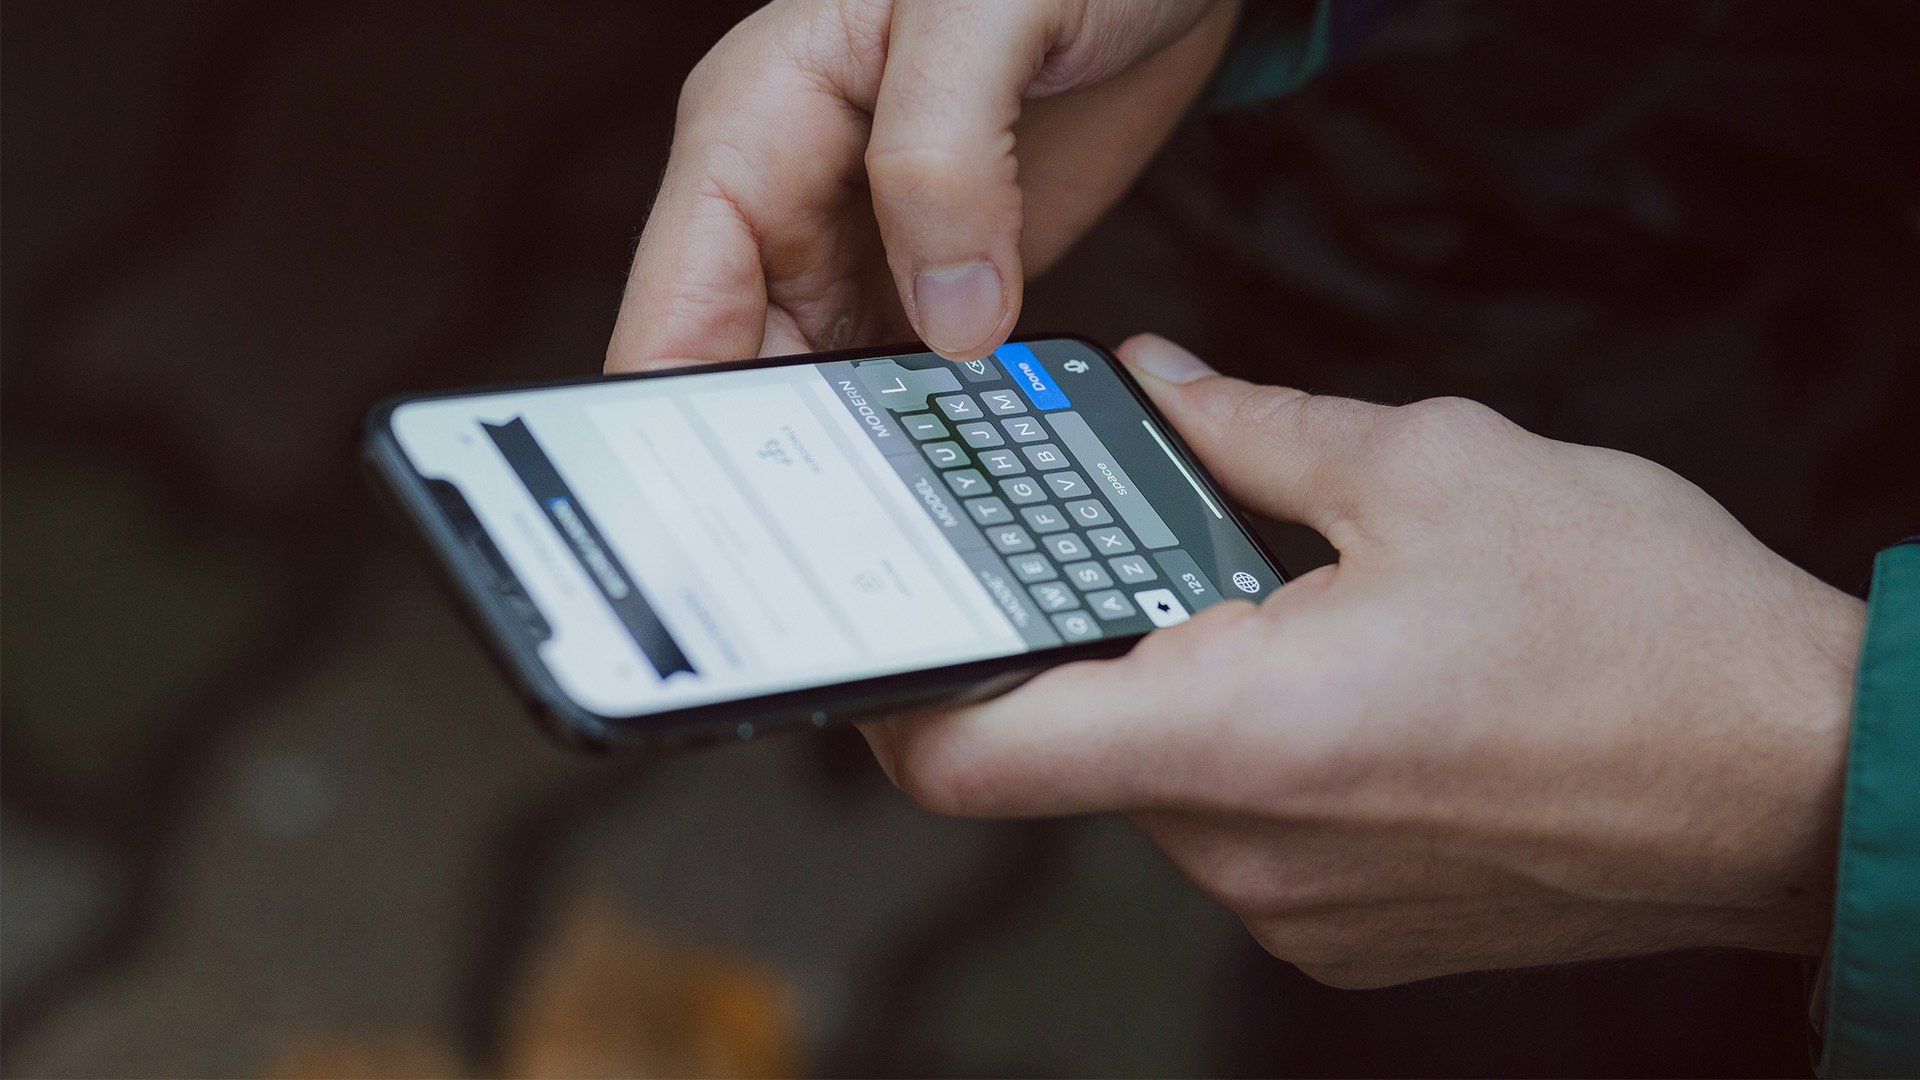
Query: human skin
(1552, 703)
(849, 171)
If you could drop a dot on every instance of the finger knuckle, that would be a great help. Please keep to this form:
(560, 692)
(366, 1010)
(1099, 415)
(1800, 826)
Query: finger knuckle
(1101, 48)
(844, 38)
(1444, 423)
(1263, 890)
(1275, 411)
(1320, 948)
(1348, 975)
(1428, 451)
(1263, 408)
(922, 169)
(1240, 888)
(748, 61)
(918, 171)
(706, 78)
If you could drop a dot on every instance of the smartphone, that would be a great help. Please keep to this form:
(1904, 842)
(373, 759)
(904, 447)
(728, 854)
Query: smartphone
(718, 551)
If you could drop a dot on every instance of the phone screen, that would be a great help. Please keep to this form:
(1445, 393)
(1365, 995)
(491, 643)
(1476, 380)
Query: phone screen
(711, 536)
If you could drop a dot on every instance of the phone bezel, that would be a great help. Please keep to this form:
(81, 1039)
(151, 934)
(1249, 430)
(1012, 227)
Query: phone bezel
(506, 640)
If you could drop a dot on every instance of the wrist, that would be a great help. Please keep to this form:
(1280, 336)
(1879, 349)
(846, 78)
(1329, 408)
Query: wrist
(1807, 713)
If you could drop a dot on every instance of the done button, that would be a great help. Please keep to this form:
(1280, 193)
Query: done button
(1032, 376)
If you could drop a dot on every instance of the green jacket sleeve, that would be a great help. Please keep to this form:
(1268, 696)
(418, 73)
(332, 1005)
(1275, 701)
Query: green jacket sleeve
(1282, 44)
(1872, 1023)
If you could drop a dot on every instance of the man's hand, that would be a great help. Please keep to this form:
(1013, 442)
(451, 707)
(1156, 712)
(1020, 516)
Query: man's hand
(1552, 703)
(844, 170)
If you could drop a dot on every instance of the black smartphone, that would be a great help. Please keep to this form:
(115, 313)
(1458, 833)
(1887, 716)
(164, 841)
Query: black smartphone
(718, 551)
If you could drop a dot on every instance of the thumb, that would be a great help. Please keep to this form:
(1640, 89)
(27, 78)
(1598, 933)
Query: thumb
(1280, 452)
(941, 167)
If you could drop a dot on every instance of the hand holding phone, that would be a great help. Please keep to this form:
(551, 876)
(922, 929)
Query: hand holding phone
(719, 550)
(1552, 704)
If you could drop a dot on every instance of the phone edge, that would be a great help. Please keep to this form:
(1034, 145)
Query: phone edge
(582, 729)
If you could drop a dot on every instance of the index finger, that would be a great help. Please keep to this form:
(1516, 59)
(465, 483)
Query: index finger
(696, 291)
(743, 238)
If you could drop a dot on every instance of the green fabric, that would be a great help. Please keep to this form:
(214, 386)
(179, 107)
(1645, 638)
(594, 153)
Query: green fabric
(1278, 48)
(1873, 962)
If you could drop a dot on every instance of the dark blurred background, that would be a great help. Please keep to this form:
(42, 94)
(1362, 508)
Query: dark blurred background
(266, 811)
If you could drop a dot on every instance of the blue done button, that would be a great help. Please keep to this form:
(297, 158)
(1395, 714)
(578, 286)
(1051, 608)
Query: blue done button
(1033, 376)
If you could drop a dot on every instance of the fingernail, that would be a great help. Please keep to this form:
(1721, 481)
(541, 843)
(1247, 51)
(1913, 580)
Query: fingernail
(1168, 362)
(958, 307)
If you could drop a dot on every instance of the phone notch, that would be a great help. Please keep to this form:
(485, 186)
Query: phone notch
(501, 580)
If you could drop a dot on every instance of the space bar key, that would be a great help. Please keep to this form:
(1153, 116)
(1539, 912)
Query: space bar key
(1106, 475)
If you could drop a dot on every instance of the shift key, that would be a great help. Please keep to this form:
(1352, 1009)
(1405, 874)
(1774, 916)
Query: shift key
(1109, 479)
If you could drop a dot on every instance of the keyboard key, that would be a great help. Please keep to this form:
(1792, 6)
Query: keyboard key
(1024, 489)
(1142, 519)
(1089, 512)
(1044, 519)
(979, 434)
(1110, 605)
(1003, 402)
(1161, 606)
(924, 426)
(980, 370)
(903, 389)
(1066, 547)
(1002, 462)
(1067, 485)
(1188, 579)
(1024, 429)
(965, 482)
(1076, 626)
(1054, 596)
(959, 407)
(1088, 576)
(1033, 567)
(990, 511)
(1046, 456)
(945, 454)
(1132, 569)
(1109, 541)
(1008, 539)
(1031, 375)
